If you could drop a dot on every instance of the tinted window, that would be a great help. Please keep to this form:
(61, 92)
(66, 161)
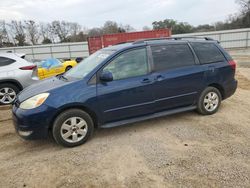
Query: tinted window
(172, 56)
(208, 53)
(129, 64)
(5, 61)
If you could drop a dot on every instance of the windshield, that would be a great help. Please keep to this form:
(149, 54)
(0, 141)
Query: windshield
(48, 63)
(88, 64)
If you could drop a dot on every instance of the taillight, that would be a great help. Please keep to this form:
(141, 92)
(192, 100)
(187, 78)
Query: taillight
(31, 67)
(232, 63)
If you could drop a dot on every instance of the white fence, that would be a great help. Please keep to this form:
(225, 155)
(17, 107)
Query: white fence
(63, 50)
(238, 38)
(230, 39)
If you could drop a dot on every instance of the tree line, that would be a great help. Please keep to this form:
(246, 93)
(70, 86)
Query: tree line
(29, 32)
(237, 21)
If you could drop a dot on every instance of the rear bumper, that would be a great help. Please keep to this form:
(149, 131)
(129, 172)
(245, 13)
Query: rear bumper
(29, 81)
(230, 89)
(27, 78)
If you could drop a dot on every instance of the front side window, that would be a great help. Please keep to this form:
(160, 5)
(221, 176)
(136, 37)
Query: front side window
(207, 52)
(4, 61)
(129, 64)
(172, 56)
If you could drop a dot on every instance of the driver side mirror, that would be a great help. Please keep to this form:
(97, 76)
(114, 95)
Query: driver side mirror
(106, 76)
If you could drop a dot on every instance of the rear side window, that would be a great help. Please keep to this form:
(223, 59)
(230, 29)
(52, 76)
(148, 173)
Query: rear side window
(4, 61)
(208, 53)
(172, 56)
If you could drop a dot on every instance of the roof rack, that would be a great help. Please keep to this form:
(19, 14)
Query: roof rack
(172, 38)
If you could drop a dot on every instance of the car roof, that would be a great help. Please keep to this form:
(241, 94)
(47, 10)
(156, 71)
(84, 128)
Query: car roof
(9, 55)
(176, 40)
(158, 41)
(119, 46)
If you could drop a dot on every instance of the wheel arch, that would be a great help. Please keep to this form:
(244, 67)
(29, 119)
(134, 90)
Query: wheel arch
(68, 66)
(219, 87)
(11, 81)
(92, 114)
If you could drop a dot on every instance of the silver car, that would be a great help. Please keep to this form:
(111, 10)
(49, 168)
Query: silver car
(15, 74)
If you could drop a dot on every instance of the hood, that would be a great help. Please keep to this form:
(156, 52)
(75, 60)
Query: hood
(41, 87)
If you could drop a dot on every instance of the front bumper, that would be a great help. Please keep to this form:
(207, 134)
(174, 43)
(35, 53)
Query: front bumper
(32, 124)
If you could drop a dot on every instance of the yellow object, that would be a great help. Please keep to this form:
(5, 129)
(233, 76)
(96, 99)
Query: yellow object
(55, 69)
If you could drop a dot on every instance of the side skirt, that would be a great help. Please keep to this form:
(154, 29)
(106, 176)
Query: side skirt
(152, 116)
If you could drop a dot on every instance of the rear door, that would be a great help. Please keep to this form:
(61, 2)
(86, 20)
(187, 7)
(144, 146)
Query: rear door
(130, 94)
(178, 76)
(217, 69)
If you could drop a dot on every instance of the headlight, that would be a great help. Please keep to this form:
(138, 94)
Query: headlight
(34, 102)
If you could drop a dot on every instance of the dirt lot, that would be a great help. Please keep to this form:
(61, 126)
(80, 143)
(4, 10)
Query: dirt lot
(184, 150)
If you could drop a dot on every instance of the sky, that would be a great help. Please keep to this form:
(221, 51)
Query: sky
(137, 13)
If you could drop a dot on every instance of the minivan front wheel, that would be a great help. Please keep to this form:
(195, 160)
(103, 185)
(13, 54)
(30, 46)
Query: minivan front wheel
(72, 128)
(209, 101)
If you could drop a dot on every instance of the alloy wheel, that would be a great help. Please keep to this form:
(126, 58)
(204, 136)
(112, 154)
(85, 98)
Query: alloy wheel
(211, 101)
(7, 95)
(74, 129)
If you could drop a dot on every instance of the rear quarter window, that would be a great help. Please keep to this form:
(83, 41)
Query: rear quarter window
(4, 61)
(208, 53)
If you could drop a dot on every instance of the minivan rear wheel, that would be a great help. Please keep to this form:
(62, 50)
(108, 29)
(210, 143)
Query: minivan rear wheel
(8, 93)
(72, 128)
(209, 101)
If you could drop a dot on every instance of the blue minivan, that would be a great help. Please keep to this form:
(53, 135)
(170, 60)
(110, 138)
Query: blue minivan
(127, 83)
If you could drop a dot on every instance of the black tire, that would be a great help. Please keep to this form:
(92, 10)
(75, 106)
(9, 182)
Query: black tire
(60, 120)
(68, 68)
(201, 103)
(10, 86)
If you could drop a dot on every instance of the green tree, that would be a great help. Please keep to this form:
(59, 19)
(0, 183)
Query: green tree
(95, 32)
(46, 41)
(110, 27)
(204, 28)
(177, 27)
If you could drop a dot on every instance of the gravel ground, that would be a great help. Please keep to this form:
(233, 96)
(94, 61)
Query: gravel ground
(183, 150)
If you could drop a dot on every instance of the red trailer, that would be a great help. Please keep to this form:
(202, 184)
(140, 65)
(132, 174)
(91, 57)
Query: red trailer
(99, 42)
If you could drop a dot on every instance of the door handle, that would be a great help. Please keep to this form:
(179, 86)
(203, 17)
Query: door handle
(159, 78)
(211, 68)
(146, 81)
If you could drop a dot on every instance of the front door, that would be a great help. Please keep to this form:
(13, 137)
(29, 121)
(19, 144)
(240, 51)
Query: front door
(130, 93)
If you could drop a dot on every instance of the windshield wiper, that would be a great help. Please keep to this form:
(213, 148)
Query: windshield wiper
(63, 77)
